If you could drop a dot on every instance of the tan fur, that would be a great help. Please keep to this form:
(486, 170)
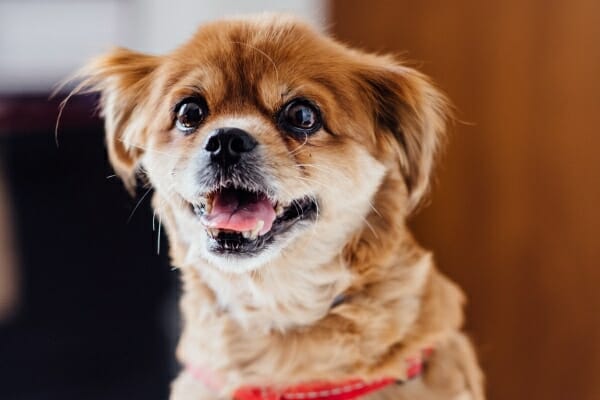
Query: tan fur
(269, 321)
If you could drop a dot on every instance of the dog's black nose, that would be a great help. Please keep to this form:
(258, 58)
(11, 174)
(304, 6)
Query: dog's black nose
(227, 145)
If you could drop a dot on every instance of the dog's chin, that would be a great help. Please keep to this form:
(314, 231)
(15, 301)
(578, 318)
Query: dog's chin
(246, 228)
(240, 264)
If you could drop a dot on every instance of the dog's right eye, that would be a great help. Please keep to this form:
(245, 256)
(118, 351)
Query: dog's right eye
(300, 117)
(190, 113)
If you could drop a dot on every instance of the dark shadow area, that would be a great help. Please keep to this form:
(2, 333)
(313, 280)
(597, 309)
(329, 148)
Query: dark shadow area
(95, 316)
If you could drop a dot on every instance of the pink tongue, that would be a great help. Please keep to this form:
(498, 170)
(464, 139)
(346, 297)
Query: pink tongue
(228, 213)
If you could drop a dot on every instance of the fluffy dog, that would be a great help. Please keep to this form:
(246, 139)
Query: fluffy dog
(284, 166)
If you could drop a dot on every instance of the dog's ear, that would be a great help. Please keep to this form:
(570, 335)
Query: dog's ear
(411, 114)
(122, 77)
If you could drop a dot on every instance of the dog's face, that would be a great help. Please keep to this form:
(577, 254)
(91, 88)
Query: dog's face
(263, 137)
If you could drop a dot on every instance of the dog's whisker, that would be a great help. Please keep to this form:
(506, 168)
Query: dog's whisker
(299, 148)
(138, 204)
(158, 236)
(371, 228)
(374, 209)
(153, 219)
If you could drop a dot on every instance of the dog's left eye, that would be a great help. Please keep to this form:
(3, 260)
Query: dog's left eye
(300, 117)
(190, 113)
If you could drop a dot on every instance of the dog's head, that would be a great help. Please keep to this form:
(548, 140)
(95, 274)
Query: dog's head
(264, 137)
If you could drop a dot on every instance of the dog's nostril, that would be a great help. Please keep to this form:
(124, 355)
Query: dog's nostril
(241, 144)
(213, 145)
(226, 145)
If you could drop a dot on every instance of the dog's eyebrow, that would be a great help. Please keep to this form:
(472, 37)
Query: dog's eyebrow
(189, 90)
(185, 91)
(286, 91)
(331, 87)
(194, 88)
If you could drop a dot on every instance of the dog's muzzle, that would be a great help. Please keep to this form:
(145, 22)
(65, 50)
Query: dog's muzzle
(239, 209)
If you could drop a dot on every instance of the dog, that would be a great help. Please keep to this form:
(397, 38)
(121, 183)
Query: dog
(284, 166)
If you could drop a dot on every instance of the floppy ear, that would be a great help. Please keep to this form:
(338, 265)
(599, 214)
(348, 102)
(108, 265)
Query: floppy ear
(122, 77)
(411, 111)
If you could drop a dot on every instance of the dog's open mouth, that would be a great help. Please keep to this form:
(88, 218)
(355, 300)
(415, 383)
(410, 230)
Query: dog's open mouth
(243, 222)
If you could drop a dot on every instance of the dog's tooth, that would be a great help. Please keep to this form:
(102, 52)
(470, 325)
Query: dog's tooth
(213, 232)
(257, 228)
(278, 209)
(209, 204)
(246, 234)
(197, 209)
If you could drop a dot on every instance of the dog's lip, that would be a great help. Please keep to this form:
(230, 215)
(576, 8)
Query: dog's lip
(235, 243)
(239, 210)
(228, 241)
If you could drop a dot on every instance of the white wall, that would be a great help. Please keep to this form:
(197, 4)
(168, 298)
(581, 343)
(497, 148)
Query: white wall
(42, 41)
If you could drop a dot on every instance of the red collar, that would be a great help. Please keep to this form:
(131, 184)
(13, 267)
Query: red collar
(341, 390)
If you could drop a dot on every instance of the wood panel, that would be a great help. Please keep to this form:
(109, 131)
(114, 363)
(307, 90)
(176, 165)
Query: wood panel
(515, 211)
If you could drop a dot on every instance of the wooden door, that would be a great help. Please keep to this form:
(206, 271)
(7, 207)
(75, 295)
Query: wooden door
(515, 211)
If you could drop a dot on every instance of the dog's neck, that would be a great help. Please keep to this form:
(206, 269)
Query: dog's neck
(279, 296)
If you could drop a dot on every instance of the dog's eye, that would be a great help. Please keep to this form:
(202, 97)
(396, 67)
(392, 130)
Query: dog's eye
(190, 113)
(300, 117)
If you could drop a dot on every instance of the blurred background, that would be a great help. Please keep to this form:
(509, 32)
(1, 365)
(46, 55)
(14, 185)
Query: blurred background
(87, 296)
